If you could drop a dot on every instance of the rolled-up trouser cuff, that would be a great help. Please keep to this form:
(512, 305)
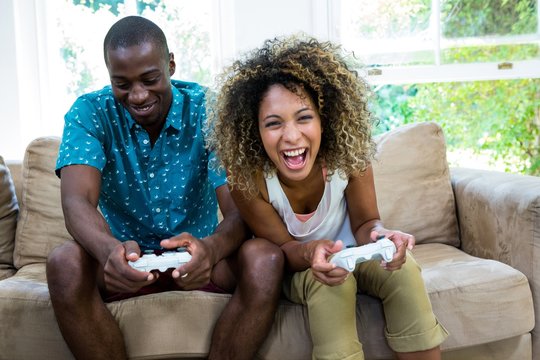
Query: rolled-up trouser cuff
(418, 342)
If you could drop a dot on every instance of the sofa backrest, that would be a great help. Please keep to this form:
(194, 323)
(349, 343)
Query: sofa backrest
(411, 178)
(40, 227)
(8, 220)
(412, 181)
(15, 169)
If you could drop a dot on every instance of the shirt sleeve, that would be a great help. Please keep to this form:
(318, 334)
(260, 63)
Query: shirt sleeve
(82, 139)
(216, 172)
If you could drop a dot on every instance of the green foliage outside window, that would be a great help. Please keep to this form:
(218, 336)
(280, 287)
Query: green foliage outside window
(499, 119)
(186, 33)
(115, 6)
(462, 18)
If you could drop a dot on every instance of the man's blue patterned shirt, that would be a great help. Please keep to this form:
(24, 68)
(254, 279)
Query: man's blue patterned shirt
(147, 193)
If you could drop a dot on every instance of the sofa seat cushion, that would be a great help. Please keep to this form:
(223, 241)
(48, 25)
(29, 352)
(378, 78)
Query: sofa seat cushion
(479, 301)
(174, 324)
(9, 210)
(28, 323)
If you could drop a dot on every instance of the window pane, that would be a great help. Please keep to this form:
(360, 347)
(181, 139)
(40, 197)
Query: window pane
(487, 124)
(465, 18)
(82, 25)
(187, 25)
(407, 32)
(388, 32)
(489, 31)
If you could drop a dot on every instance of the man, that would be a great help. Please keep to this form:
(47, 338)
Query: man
(136, 148)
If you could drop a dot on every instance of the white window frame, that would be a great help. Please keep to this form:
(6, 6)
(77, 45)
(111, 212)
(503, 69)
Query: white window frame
(29, 90)
(438, 72)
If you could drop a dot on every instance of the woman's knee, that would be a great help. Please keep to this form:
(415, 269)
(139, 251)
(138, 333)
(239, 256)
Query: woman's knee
(343, 292)
(410, 271)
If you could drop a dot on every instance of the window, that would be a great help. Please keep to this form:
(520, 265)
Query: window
(442, 40)
(81, 26)
(59, 55)
(471, 66)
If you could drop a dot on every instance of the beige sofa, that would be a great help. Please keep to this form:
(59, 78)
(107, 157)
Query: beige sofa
(478, 235)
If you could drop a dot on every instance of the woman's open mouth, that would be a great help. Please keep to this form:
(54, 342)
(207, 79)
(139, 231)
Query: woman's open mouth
(295, 159)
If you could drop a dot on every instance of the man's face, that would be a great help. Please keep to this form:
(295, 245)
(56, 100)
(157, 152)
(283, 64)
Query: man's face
(141, 81)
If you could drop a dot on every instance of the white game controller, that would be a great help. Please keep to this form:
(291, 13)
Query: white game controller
(167, 260)
(383, 249)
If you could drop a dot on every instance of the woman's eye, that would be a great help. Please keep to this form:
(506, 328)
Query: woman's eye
(271, 124)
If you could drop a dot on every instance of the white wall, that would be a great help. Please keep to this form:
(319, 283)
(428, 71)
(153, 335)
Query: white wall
(10, 131)
(28, 92)
(30, 102)
(250, 22)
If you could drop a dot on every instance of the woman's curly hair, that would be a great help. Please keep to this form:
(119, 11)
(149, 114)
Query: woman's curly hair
(321, 69)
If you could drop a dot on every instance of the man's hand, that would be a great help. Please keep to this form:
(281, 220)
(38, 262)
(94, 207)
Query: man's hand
(324, 271)
(119, 277)
(196, 273)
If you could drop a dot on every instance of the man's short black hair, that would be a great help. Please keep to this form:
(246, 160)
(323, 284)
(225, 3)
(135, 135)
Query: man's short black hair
(132, 31)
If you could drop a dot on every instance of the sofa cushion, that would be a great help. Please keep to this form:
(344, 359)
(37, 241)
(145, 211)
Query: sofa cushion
(479, 301)
(412, 182)
(15, 169)
(41, 222)
(8, 220)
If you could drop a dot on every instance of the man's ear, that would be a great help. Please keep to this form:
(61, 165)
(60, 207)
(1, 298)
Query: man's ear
(172, 64)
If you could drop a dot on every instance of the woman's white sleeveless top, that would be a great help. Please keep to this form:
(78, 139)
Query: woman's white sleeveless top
(330, 220)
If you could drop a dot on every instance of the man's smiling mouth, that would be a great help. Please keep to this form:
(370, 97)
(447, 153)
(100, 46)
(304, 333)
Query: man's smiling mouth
(142, 110)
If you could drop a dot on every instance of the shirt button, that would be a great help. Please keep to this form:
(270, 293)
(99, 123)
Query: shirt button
(151, 175)
(158, 210)
(145, 141)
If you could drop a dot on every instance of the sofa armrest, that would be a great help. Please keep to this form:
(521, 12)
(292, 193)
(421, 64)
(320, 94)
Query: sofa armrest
(499, 217)
(15, 169)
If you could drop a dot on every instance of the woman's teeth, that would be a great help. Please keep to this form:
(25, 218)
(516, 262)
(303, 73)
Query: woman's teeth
(294, 152)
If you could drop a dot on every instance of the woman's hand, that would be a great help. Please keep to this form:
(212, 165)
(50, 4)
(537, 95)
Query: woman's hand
(323, 271)
(403, 242)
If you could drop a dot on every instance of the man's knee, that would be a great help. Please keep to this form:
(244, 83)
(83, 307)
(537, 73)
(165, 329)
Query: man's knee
(65, 267)
(62, 257)
(262, 264)
(261, 254)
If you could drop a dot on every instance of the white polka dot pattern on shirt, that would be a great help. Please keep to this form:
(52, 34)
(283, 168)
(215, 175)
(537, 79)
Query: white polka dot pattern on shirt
(147, 193)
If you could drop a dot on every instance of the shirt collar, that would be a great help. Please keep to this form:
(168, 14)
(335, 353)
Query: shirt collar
(174, 117)
(172, 120)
